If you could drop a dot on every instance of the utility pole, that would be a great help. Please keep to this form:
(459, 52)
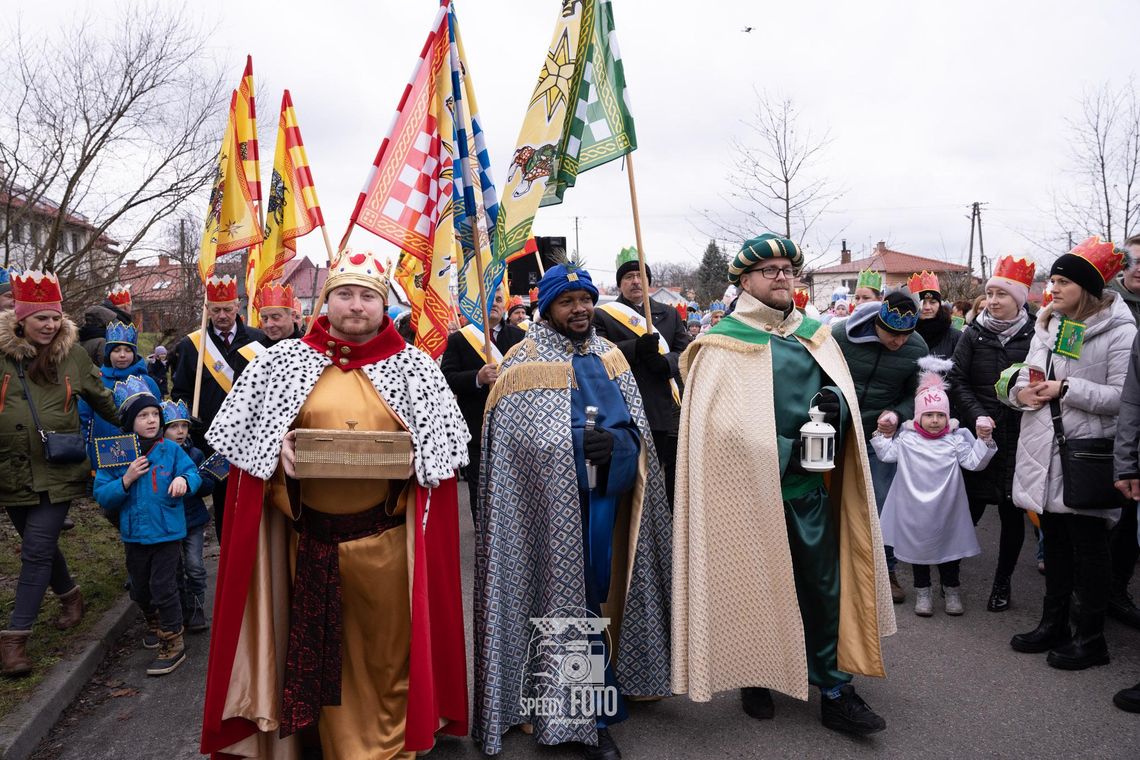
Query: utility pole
(981, 245)
(577, 247)
(973, 216)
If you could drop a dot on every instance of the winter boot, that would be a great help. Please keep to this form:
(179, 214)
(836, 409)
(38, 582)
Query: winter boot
(757, 703)
(150, 638)
(850, 714)
(1053, 630)
(606, 749)
(71, 609)
(953, 596)
(171, 653)
(197, 622)
(999, 594)
(1087, 648)
(1121, 606)
(1128, 699)
(923, 602)
(14, 653)
(898, 596)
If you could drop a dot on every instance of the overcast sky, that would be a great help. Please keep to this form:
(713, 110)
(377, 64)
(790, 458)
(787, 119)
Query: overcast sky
(931, 105)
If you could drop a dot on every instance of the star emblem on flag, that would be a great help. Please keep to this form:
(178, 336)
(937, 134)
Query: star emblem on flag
(554, 79)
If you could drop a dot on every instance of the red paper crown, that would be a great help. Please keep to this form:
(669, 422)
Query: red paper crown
(1017, 270)
(120, 297)
(221, 290)
(923, 281)
(35, 287)
(1102, 255)
(533, 295)
(1046, 298)
(296, 305)
(516, 302)
(275, 296)
(801, 297)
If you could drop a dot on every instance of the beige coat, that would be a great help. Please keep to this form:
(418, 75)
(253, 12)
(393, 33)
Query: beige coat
(736, 619)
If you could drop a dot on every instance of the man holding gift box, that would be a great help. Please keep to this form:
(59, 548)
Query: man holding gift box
(372, 684)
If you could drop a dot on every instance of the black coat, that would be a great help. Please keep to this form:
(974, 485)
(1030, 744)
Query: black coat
(978, 361)
(160, 373)
(460, 364)
(660, 410)
(212, 395)
(940, 336)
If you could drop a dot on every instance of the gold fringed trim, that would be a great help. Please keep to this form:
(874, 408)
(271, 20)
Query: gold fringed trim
(615, 363)
(531, 376)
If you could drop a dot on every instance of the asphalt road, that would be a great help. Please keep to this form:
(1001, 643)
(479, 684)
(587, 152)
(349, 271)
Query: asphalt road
(954, 690)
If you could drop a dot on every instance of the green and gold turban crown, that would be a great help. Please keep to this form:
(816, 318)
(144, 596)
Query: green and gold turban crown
(766, 246)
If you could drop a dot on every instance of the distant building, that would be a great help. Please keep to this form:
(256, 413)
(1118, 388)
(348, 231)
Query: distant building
(895, 267)
(668, 296)
(25, 224)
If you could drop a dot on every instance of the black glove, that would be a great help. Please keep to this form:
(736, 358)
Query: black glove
(645, 347)
(829, 404)
(794, 466)
(598, 446)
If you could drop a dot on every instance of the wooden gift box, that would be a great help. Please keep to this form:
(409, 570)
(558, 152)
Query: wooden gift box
(361, 454)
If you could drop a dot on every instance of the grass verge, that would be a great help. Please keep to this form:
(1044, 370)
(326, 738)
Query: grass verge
(94, 554)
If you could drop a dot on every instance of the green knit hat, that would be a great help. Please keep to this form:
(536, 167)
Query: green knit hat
(766, 246)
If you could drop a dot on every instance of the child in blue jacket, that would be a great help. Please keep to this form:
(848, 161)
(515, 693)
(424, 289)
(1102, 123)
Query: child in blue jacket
(147, 495)
(192, 571)
(120, 361)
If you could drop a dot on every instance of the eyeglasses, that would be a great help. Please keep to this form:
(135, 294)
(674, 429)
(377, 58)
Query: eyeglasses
(771, 273)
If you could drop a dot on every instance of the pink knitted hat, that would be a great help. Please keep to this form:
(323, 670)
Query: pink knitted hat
(932, 395)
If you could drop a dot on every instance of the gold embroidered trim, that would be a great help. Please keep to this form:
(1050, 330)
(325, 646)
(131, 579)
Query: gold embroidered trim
(531, 376)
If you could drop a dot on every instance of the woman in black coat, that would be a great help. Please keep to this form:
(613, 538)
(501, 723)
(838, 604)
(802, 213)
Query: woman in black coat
(998, 338)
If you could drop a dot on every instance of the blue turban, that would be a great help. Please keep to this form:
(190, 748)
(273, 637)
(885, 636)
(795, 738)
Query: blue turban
(561, 279)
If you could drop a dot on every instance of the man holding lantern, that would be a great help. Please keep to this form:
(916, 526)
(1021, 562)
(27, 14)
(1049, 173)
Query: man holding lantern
(779, 573)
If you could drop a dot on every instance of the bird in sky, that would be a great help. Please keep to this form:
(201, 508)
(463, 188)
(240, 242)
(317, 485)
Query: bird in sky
(746, 29)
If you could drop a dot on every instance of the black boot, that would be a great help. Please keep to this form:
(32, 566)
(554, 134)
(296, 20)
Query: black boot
(757, 703)
(999, 594)
(1121, 606)
(1128, 699)
(1052, 632)
(850, 714)
(1087, 649)
(607, 749)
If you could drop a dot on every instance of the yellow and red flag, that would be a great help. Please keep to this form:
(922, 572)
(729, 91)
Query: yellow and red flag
(247, 131)
(291, 210)
(231, 220)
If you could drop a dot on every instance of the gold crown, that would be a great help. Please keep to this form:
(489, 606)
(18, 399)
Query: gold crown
(351, 268)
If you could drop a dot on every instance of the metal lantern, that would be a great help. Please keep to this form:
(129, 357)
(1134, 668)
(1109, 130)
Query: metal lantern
(817, 443)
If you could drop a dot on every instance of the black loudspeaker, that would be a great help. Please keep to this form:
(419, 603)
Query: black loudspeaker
(523, 272)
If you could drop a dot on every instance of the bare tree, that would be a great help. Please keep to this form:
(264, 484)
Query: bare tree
(107, 128)
(1104, 161)
(774, 178)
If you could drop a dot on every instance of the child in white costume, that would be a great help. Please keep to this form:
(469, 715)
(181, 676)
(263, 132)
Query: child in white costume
(926, 516)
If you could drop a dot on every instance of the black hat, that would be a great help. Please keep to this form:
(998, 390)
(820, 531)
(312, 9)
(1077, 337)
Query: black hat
(135, 406)
(898, 314)
(1081, 271)
(632, 266)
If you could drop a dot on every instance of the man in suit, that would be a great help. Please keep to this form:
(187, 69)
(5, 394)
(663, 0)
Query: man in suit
(471, 374)
(230, 347)
(653, 356)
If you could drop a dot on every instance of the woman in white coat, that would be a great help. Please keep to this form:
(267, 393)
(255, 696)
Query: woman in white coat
(1081, 343)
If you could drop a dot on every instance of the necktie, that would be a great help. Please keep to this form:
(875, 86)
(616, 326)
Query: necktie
(226, 340)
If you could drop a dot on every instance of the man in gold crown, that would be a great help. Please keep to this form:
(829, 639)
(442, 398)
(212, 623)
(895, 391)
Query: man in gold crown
(275, 308)
(230, 346)
(364, 643)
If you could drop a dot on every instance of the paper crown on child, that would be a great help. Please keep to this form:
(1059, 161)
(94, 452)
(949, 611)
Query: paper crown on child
(801, 297)
(718, 306)
(175, 411)
(924, 282)
(221, 289)
(357, 268)
(120, 297)
(694, 319)
(932, 395)
(124, 334)
(127, 390)
(869, 278)
(275, 296)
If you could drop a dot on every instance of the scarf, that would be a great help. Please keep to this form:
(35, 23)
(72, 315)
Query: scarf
(1004, 329)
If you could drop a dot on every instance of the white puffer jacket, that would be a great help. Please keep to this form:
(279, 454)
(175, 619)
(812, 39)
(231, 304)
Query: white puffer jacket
(1088, 409)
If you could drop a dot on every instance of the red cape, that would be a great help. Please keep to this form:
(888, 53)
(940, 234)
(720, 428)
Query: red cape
(437, 675)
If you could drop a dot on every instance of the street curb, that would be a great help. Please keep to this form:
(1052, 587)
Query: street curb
(24, 728)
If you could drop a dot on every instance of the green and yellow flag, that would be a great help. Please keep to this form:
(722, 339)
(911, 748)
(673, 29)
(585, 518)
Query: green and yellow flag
(578, 118)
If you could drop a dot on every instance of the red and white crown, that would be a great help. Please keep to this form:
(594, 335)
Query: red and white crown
(221, 290)
(1016, 270)
(275, 296)
(1102, 255)
(801, 297)
(352, 268)
(923, 281)
(120, 297)
(36, 287)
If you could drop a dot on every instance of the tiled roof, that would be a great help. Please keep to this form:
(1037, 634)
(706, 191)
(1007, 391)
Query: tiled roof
(892, 262)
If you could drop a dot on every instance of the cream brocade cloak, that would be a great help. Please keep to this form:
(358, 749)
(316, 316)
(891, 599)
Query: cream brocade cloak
(736, 619)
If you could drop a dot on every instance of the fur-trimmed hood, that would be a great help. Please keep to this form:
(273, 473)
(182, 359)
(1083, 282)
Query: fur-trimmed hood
(16, 348)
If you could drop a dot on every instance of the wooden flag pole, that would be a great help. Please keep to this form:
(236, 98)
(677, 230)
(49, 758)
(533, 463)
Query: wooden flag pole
(320, 302)
(640, 248)
(328, 244)
(541, 268)
(482, 294)
(202, 338)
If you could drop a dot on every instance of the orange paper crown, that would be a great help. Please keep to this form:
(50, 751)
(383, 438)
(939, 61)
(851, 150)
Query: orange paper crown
(923, 281)
(1016, 270)
(223, 290)
(533, 295)
(275, 296)
(1046, 298)
(120, 297)
(35, 287)
(801, 297)
(516, 302)
(1102, 255)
